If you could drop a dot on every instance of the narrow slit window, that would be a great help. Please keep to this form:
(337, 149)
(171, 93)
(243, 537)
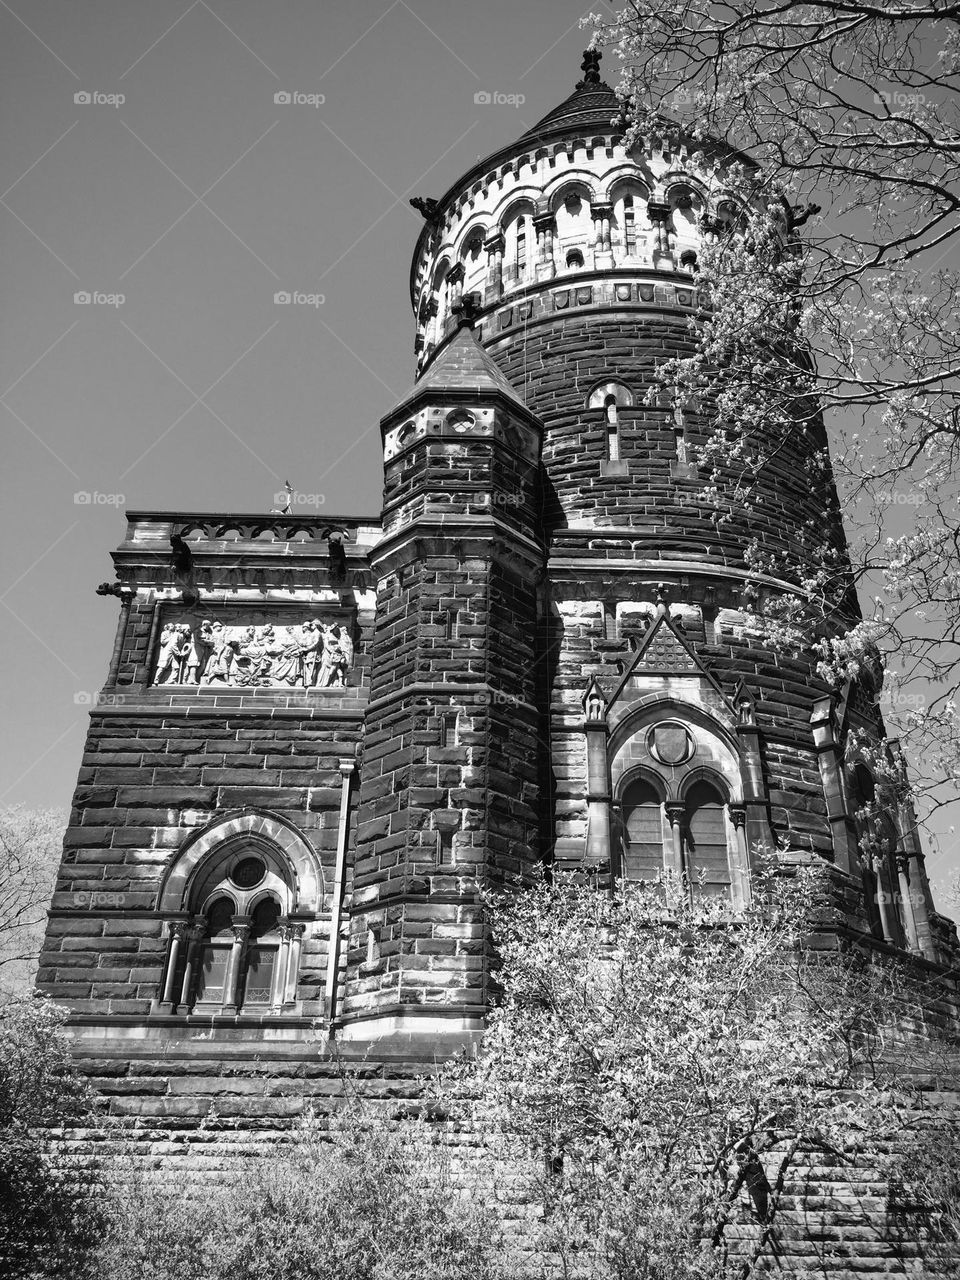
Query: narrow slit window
(451, 623)
(450, 736)
(445, 846)
(613, 429)
(521, 246)
(629, 227)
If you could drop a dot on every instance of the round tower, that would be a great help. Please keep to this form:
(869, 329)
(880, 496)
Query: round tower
(673, 736)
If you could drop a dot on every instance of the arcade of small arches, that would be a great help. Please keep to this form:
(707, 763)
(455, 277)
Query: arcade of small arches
(579, 225)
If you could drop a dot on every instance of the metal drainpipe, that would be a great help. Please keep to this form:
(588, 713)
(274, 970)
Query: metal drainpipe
(347, 770)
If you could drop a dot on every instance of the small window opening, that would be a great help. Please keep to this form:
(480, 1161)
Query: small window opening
(613, 429)
(574, 259)
(452, 623)
(445, 846)
(449, 734)
(629, 226)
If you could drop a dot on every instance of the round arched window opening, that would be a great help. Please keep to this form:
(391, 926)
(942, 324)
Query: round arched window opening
(461, 420)
(248, 872)
(575, 259)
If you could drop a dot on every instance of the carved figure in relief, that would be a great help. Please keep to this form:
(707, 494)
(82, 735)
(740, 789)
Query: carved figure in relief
(196, 655)
(331, 659)
(221, 661)
(310, 644)
(288, 659)
(172, 647)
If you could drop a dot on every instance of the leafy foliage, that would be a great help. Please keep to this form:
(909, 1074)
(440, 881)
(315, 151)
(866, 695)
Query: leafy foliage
(673, 1070)
(372, 1199)
(49, 1214)
(30, 842)
(833, 291)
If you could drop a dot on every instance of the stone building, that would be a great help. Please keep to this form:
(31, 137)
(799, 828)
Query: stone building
(317, 734)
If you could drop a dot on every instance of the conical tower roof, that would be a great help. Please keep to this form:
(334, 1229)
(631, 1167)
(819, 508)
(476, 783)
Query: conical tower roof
(593, 104)
(462, 365)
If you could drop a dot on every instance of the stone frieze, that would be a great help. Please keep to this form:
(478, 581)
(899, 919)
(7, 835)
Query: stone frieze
(311, 654)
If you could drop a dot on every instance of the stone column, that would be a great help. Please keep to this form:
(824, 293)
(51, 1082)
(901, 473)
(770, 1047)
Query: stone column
(433, 328)
(545, 225)
(830, 761)
(602, 220)
(494, 246)
(757, 830)
(278, 986)
(675, 815)
(454, 295)
(659, 214)
(880, 865)
(740, 881)
(288, 991)
(599, 845)
(178, 935)
(906, 898)
(241, 932)
(921, 903)
(195, 938)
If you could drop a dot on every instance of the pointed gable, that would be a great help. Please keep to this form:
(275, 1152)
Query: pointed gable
(460, 365)
(665, 665)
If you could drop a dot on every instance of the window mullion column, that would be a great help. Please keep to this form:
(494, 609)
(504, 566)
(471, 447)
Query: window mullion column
(674, 852)
(196, 932)
(241, 933)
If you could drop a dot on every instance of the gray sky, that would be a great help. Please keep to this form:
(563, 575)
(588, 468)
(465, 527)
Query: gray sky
(197, 198)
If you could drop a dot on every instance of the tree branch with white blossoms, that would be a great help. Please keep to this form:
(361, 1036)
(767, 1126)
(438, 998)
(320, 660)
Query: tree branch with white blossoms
(830, 297)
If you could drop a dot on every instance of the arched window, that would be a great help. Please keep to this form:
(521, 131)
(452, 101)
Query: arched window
(705, 848)
(440, 302)
(629, 208)
(258, 978)
(238, 950)
(611, 397)
(574, 228)
(216, 947)
(474, 265)
(613, 428)
(519, 247)
(862, 793)
(643, 832)
(879, 871)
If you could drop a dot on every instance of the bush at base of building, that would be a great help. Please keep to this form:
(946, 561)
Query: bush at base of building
(50, 1218)
(367, 1198)
(709, 1095)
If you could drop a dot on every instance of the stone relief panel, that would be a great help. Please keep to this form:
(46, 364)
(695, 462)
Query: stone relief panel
(315, 653)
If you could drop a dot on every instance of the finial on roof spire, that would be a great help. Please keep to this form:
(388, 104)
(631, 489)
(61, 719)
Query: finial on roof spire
(467, 311)
(590, 66)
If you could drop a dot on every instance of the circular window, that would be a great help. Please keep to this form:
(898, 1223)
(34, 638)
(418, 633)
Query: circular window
(248, 872)
(670, 743)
